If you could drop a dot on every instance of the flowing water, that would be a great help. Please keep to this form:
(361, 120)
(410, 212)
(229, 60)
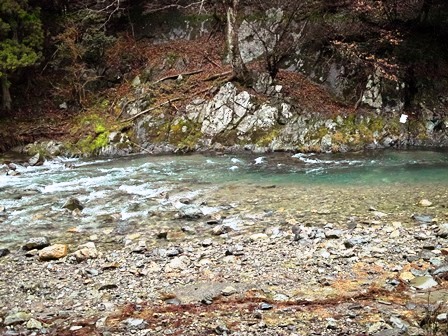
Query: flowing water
(142, 194)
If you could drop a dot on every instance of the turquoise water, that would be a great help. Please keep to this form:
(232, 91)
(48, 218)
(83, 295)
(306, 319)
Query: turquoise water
(133, 188)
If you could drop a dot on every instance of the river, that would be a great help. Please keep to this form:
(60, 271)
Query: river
(143, 194)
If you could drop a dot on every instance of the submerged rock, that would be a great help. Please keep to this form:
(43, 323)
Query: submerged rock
(72, 204)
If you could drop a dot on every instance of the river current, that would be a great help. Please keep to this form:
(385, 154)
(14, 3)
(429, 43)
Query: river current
(142, 194)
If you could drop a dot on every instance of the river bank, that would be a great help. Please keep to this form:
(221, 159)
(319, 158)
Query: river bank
(250, 257)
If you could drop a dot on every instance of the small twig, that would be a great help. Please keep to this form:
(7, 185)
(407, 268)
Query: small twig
(168, 102)
(177, 75)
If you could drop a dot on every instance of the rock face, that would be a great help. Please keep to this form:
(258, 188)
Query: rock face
(53, 252)
(236, 119)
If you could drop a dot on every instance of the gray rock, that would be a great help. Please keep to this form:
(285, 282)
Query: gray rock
(190, 211)
(4, 252)
(422, 218)
(36, 243)
(265, 306)
(356, 240)
(441, 271)
(73, 203)
(333, 234)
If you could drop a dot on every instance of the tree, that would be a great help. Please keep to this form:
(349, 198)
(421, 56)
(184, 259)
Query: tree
(21, 38)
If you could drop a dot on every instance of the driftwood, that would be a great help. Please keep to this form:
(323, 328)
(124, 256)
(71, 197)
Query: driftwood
(168, 102)
(177, 75)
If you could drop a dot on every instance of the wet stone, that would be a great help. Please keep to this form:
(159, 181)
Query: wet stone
(190, 212)
(4, 252)
(73, 204)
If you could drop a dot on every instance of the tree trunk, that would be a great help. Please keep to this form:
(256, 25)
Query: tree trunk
(240, 71)
(6, 95)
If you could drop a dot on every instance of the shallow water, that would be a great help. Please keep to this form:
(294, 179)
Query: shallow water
(141, 193)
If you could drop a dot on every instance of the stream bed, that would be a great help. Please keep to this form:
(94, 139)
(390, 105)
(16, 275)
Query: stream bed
(132, 194)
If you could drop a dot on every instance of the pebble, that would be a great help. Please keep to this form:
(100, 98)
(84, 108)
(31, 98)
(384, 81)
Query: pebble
(53, 252)
(425, 203)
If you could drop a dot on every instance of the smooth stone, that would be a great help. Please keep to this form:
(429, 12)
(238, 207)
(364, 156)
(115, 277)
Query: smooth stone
(425, 203)
(72, 204)
(75, 328)
(423, 282)
(16, 318)
(53, 252)
(422, 218)
(36, 243)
